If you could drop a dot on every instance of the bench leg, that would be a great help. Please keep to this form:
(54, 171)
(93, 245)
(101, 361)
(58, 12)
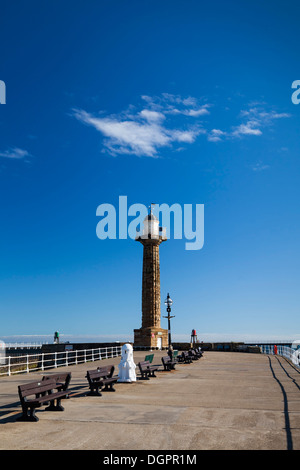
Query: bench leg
(109, 388)
(53, 407)
(63, 388)
(94, 392)
(145, 376)
(28, 417)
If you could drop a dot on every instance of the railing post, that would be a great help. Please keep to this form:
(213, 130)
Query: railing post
(85, 355)
(8, 366)
(27, 363)
(93, 355)
(42, 361)
(66, 358)
(76, 357)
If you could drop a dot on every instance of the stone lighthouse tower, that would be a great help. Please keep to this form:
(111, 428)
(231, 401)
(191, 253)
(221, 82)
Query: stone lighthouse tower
(151, 334)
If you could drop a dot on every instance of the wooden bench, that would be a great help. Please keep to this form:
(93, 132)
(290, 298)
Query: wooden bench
(103, 376)
(43, 395)
(62, 380)
(147, 370)
(198, 352)
(184, 358)
(167, 363)
(193, 355)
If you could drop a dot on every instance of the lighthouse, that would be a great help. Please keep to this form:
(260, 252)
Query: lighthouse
(151, 335)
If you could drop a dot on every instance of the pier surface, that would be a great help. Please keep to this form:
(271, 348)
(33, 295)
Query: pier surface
(225, 400)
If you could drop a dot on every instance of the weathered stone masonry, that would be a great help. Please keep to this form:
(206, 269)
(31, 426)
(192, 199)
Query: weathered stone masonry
(151, 335)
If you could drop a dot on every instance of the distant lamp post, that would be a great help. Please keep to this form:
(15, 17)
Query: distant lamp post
(56, 337)
(168, 304)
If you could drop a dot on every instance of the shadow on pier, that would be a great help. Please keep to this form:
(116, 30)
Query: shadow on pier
(287, 365)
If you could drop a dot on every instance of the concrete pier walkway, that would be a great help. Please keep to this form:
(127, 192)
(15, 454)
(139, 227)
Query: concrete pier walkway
(229, 401)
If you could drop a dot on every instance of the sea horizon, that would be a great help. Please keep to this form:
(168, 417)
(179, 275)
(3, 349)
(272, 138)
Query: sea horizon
(123, 337)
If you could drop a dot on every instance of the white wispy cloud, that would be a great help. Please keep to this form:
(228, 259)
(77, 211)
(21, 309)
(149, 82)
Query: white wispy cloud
(175, 104)
(262, 115)
(255, 120)
(260, 166)
(215, 135)
(194, 112)
(249, 128)
(167, 120)
(15, 153)
(145, 132)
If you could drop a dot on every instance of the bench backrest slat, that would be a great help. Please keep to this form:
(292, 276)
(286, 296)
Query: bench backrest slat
(101, 372)
(166, 359)
(60, 377)
(34, 388)
(93, 374)
(108, 370)
(144, 364)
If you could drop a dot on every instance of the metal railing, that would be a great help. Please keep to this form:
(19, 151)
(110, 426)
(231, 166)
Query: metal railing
(24, 345)
(42, 361)
(292, 355)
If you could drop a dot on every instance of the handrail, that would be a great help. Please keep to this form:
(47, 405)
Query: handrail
(292, 354)
(41, 361)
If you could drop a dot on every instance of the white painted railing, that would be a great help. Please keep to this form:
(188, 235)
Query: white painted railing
(291, 354)
(41, 361)
(24, 345)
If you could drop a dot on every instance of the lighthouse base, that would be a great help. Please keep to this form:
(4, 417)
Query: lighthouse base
(151, 338)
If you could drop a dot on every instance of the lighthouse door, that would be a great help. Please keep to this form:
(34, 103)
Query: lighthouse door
(159, 343)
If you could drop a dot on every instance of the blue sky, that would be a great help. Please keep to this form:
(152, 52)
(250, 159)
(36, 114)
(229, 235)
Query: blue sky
(166, 102)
